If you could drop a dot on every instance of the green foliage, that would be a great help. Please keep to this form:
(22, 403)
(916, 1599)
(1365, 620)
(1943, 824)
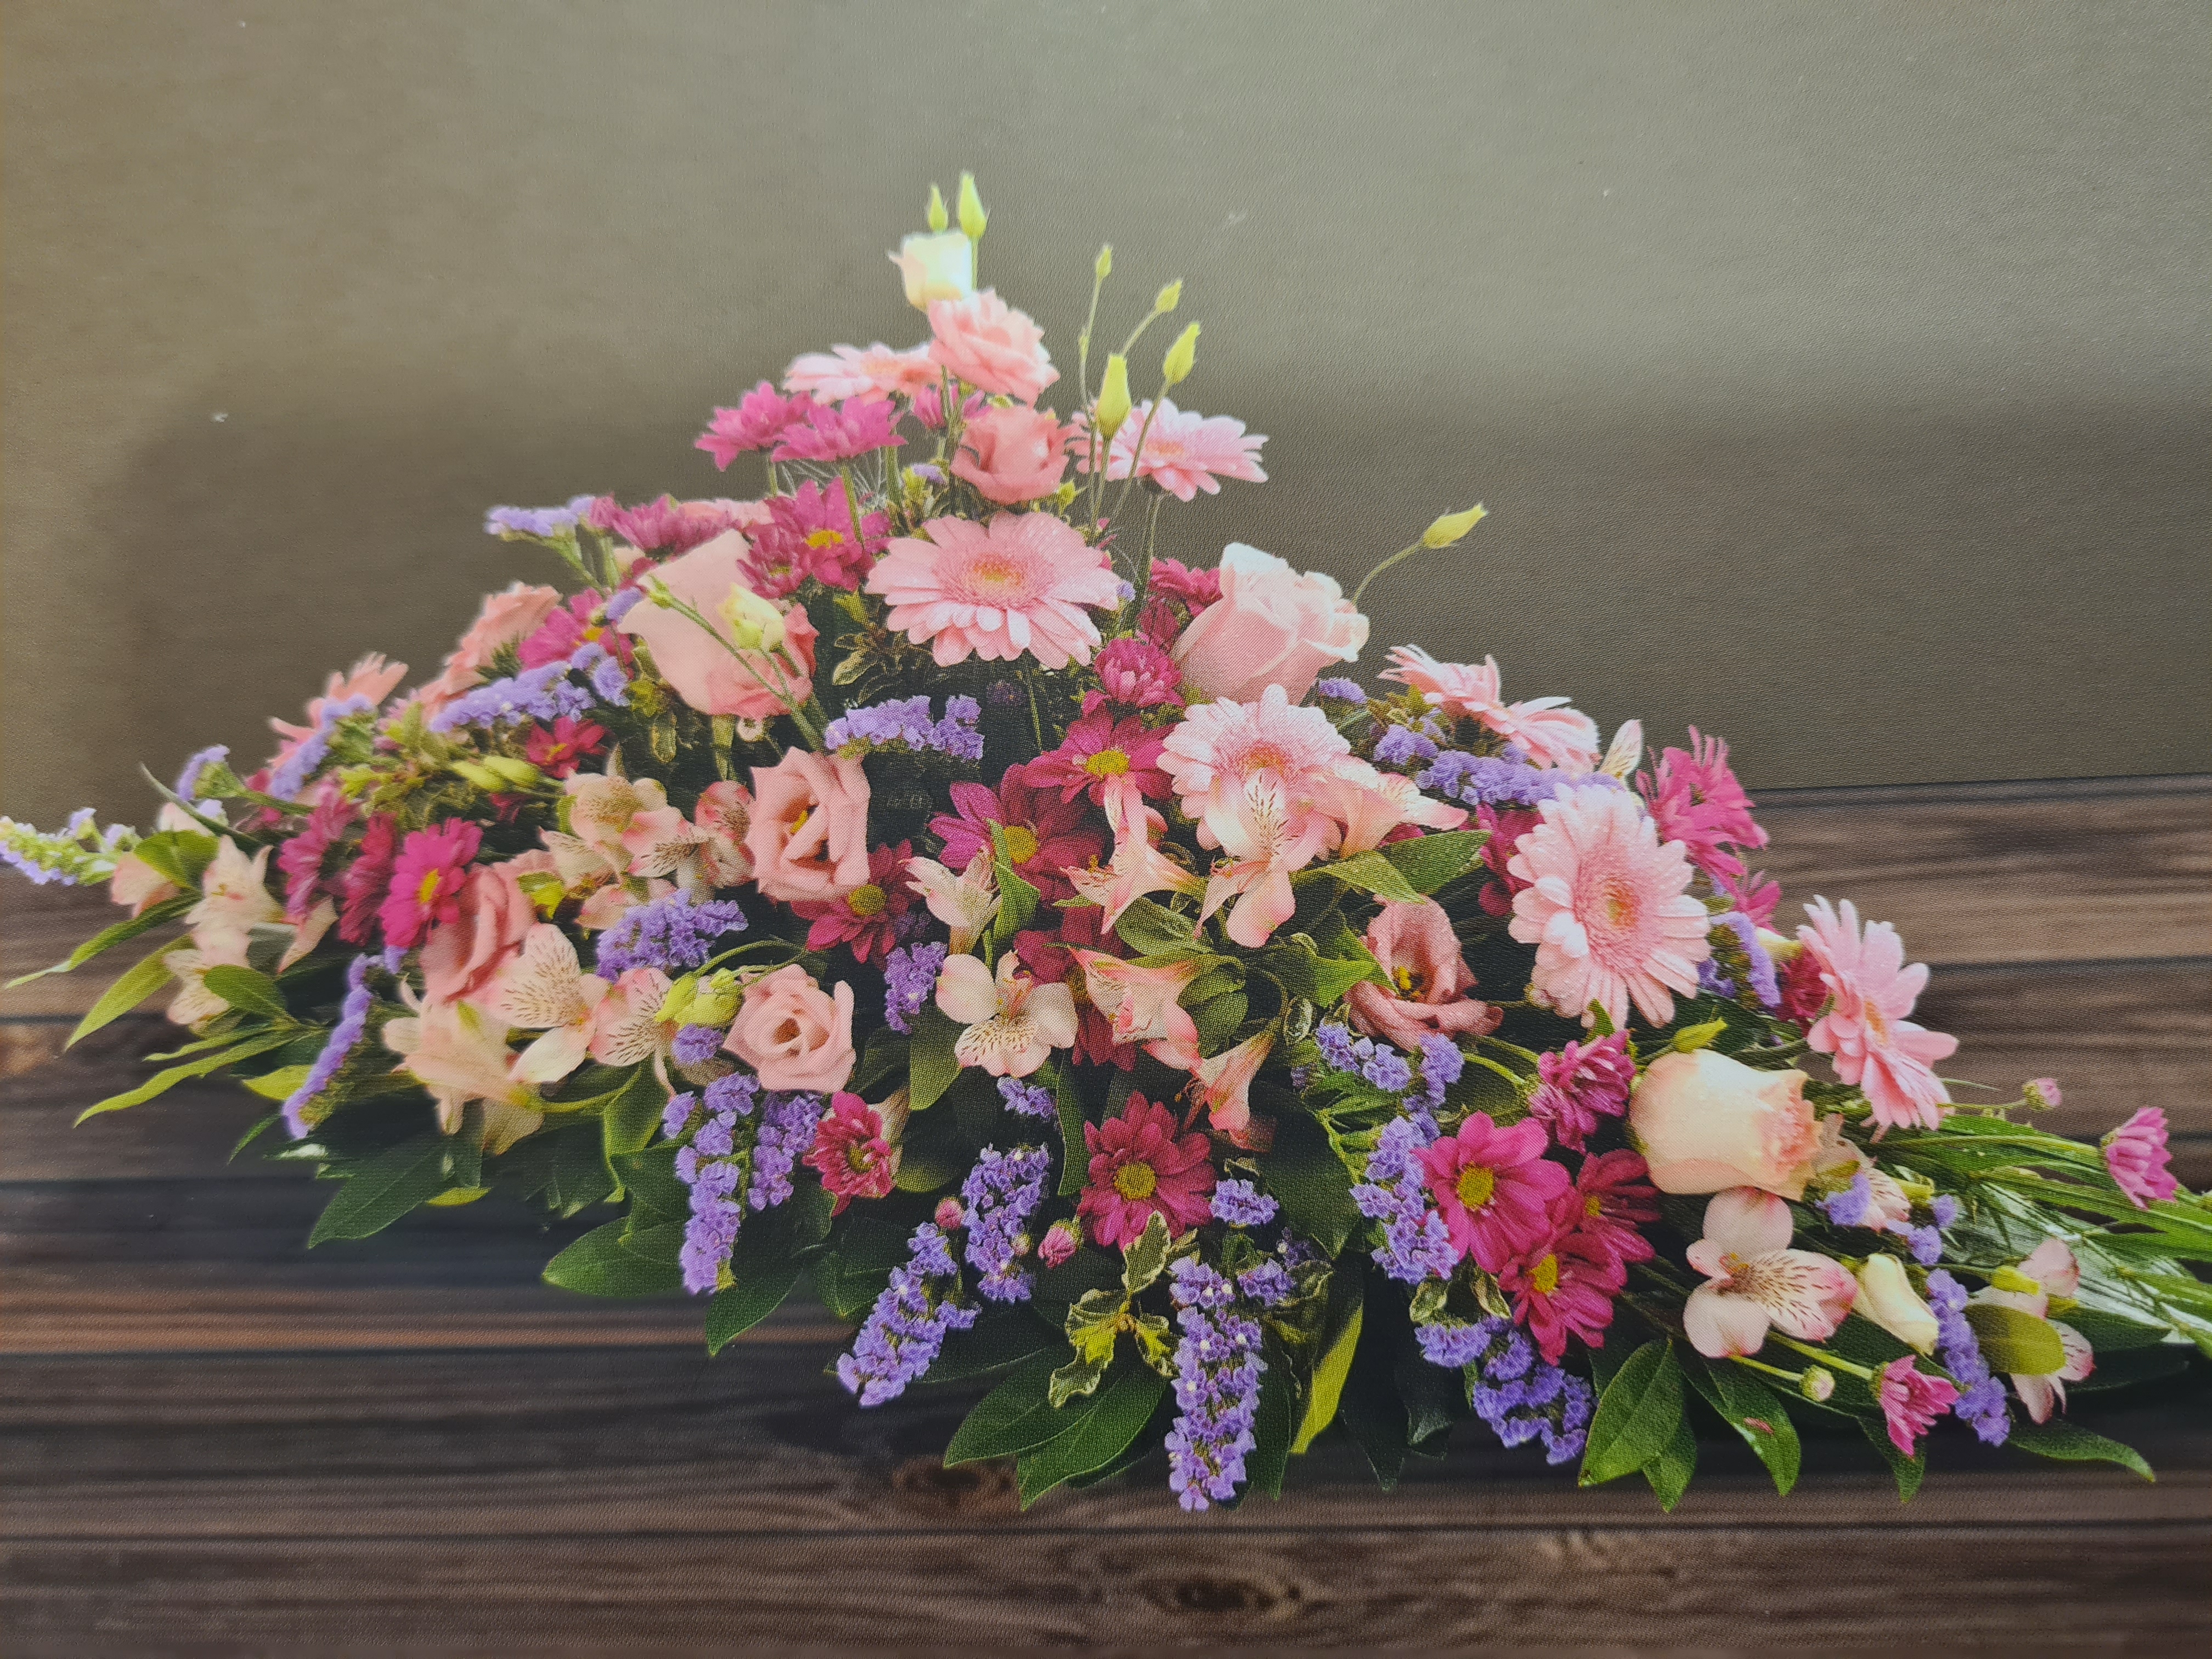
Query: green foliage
(248, 991)
(401, 1178)
(1637, 1416)
(137, 982)
(116, 934)
(1669, 1472)
(1430, 862)
(1152, 929)
(1100, 1428)
(633, 1112)
(2016, 1341)
(1347, 1314)
(851, 1274)
(1015, 1417)
(2068, 1443)
(603, 1263)
(1366, 873)
(1909, 1471)
(931, 1065)
(1321, 980)
(1754, 1411)
(259, 1042)
(1305, 1176)
(761, 1272)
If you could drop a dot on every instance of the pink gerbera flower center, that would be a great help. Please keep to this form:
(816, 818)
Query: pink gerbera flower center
(994, 577)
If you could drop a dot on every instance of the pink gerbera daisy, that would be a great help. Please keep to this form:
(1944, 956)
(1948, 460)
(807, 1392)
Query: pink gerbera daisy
(1185, 451)
(1865, 1029)
(301, 858)
(1139, 1168)
(1493, 1188)
(1544, 728)
(1044, 835)
(875, 370)
(426, 880)
(866, 919)
(1606, 907)
(1018, 585)
(810, 534)
(1218, 745)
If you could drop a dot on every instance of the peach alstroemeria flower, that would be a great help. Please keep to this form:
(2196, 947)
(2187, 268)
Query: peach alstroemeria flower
(460, 1055)
(546, 989)
(1754, 1280)
(1013, 1022)
(965, 902)
(234, 900)
(1225, 1088)
(1266, 839)
(1137, 868)
(1370, 804)
(1140, 1004)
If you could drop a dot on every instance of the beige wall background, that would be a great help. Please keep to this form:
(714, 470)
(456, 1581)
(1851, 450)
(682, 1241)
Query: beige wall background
(1836, 375)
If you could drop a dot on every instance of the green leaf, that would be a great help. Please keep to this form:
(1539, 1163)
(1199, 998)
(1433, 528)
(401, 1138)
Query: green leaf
(2109, 1332)
(1429, 862)
(161, 1082)
(180, 856)
(648, 1176)
(1147, 1258)
(1305, 1176)
(1909, 1471)
(1074, 1165)
(279, 1085)
(1322, 981)
(1347, 1314)
(1079, 1375)
(849, 1277)
(1114, 1417)
(398, 1180)
(1637, 1418)
(1755, 1411)
(1669, 1472)
(1690, 1038)
(601, 1264)
(629, 1119)
(1218, 1021)
(930, 1063)
(2061, 1440)
(1018, 900)
(1001, 1339)
(2014, 1340)
(764, 1276)
(245, 989)
(1370, 872)
(1273, 1426)
(1151, 929)
(1013, 1417)
(137, 982)
(112, 935)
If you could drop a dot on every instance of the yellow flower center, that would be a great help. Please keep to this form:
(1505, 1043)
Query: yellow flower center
(1618, 899)
(996, 574)
(1107, 764)
(866, 900)
(1265, 756)
(1135, 1181)
(1594, 1205)
(1476, 1183)
(1545, 1277)
(825, 537)
(428, 891)
(1021, 842)
(1409, 981)
(860, 1158)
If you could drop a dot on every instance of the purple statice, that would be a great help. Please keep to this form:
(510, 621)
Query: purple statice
(694, 1045)
(675, 1116)
(345, 1036)
(77, 855)
(1763, 984)
(674, 934)
(290, 775)
(1511, 1387)
(1852, 1206)
(1241, 1204)
(1030, 1099)
(1336, 1045)
(1401, 746)
(999, 694)
(1712, 981)
(904, 1332)
(1926, 1244)
(1981, 1399)
(1442, 1065)
(1216, 1387)
(1269, 1284)
(623, 603)
(1339, 690)
(736, 1094)
(1000, 1193)
(1491, 779)
(610, 681)
(905, 722)
(1395, 1192)
(543, 693)
(909, 982)
(1946, 1210)
(1377, 1062)
(188, 780)
(786, 1130)
(543, 523)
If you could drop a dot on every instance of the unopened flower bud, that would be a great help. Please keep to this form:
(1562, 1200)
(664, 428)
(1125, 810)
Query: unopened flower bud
(1627, 753)
(938, 219)
(1817, 1383)
(972, 217)
(755, 625)
(2012, 1280)
(520, 773)
(1061, 1241)
(483, 776)
(1104, 266)
(1886, 1296)
(703, 1000)
(1183, 356)
(2042, 1093)
(949, 1214)
(936, 265)
(1169, 297)
(1113, 408)
(1452, 525)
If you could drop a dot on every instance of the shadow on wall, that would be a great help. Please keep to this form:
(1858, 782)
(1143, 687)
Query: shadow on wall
(1887, 595)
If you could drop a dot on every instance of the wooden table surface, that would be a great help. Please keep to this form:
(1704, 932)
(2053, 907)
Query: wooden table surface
(215, 1443)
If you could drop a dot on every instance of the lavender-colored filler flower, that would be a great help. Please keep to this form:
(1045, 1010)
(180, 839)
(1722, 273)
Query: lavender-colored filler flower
(674, 934)
(1216, 1387)
(345, 1036)
(1241, 1204)
(1511, 1387)
(1981, 1399)
(909, 982)
(1415, 1245)
(1002, 1193)
(906, 721)
(905, 1331)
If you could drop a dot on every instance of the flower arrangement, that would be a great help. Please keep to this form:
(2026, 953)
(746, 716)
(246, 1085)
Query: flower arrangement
(911, 878)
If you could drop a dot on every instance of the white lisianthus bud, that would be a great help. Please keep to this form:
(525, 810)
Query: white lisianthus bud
(938, 219)
(1817, 1383)
(1183, 356)
(1887, 1297)
(972, 217)
(755, 625)
(936, 265)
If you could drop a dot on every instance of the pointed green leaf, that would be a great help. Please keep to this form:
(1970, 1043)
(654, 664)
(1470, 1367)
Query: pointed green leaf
(1108, 1422)
(1755, 1411)
(161, 1082)
(1074, 1163)
(764, 1277)
(2015, 1341)
(2063, 1440)
(1429, 862)
(1079, 1375)
(1370, 872)
(137, 982)
(117, 934)
(1637, 1417)
(601, 1264)
(1147, 1258)
(1151, 929)
(1909, 1471)
(248, 990)
(393, 1183)
(1013, 1417)
(631, 1116)
(1273, 1426)
(930, 1063)
(1306, 1176)
(1348, 1315)
(1669, 1472)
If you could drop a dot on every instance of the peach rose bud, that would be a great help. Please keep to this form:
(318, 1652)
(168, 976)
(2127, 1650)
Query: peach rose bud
(1013, 455)
(1706, 1123)
(793, 1034)
(1271, 627)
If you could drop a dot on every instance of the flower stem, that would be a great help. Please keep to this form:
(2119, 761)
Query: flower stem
(1833, 1362)
(1399, 557)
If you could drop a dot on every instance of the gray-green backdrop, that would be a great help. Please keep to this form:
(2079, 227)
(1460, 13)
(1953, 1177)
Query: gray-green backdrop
(1836, 375)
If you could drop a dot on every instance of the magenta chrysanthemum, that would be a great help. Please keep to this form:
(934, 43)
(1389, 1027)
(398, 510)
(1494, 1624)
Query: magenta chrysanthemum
(1018, 585)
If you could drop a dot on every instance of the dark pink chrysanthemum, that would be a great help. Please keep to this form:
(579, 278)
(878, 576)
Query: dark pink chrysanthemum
(1695, 798)
(1615, 1201)
(1138, 674)
(301, 858)
(668, 524)
(1580, 1084)
(362, 889)
(1044, 836)
(1197, 589)
(1098, 753)
(866, 919)
(810, 534)
(755, 423)
(1139, 1168)
(2136, 1155)
(852, 1153)
(825, 432)
(426, 880)
(579, 622)
(1493, 1188)
(557, 751)
(1911, 1400)
(1563, 1285)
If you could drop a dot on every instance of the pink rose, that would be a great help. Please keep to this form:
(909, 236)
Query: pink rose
(794, 1034)
(809, 835)
(989, 345)
(706, 670)
(1013, 455)
(508, 618)
(1270, 627)
(462, 957)
(1707, 1123)
(1418, 951)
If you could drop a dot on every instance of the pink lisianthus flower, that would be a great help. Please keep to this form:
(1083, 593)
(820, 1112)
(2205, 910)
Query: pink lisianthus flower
(1865, 1029)
(426, 880)
(669, 525)
(558, 750)
(1430, 980)
(1544, 728)
(1185, 451)
(993, 348)
(1607, 909)
(1564, 1285)
(757, 422)
(810, 534)
(363, 887)
(866, 920)
(1013, 1022)
(853, 1152)
(1580, 1084)
(808, 831)
(705, 665)
(1695, 798)
(792, 1033)
(1754, 1280)
(825, 432)
(1494, 1187)
(1911, 1400)
(1013, 455)
(1136, 674)
(1271, 627)
(300, 858)
(1141, 1168)
(1044, 837)
(873, 371)
(508, 618)
(1018, 585)
(2136, 1157)
(1101, 756)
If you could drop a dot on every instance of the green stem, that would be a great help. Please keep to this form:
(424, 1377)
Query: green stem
(1083, 341)
(1399, 557)
(1822, 1357)
(1137, 455)
(1036, 720)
